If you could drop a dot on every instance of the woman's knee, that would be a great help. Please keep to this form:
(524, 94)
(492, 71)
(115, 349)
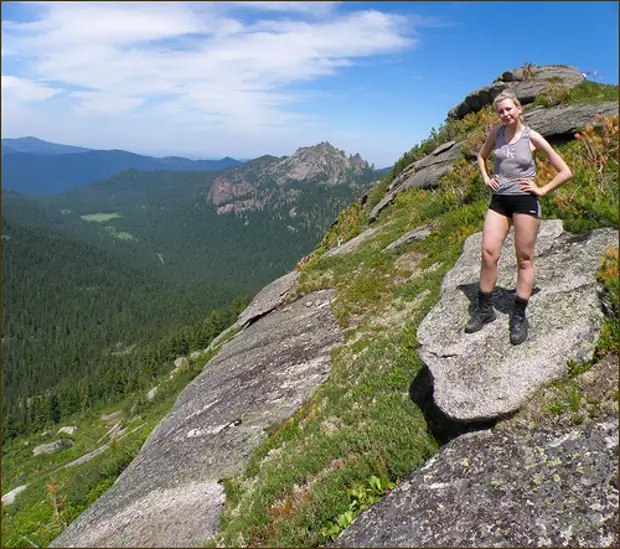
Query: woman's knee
(490, 256)
(525, 261)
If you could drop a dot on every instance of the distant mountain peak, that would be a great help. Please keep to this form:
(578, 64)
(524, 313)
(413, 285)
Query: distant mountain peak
(320, 162)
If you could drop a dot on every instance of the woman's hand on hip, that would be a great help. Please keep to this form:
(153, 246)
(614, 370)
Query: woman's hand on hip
(528, 186)
(492, 182)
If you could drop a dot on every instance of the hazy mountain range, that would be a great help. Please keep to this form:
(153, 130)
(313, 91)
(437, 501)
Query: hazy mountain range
(34, 166)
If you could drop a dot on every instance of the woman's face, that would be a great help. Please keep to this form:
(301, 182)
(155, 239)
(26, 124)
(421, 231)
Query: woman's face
(507, 111)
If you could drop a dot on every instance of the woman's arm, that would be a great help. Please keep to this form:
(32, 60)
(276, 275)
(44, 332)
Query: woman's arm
(564, 173)
(484, 153)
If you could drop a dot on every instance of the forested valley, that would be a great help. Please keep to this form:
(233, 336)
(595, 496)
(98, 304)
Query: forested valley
(105, 285)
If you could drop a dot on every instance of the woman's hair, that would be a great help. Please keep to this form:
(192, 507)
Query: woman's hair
(506, 95)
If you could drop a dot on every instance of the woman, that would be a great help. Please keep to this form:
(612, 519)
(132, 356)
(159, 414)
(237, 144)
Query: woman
(515, 199)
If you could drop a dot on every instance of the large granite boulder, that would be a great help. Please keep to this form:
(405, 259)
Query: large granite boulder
(482, 376)
(53, 447)
(504, 489)
(170, 495)
(526, 84)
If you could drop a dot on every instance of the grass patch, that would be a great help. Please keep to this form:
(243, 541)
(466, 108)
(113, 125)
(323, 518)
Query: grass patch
(100, 217)
(123, 236)
(592, 92)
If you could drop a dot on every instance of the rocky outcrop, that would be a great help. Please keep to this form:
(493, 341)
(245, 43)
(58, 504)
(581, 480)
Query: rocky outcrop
(482, 376)
(419, 233)
(169, 496)
(9, 497)
(272, 183)
(111, 419)
(53, 447)
(180, 364)
(270, 297)
(353, 244)
(426, 173)
(322, 161)
(558, 123)
(565, 120)
(222, 190)
(493, 489)
(525, 83)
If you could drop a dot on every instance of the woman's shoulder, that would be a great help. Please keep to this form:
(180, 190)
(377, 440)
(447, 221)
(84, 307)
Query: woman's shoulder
(534, 136)
(496, 129)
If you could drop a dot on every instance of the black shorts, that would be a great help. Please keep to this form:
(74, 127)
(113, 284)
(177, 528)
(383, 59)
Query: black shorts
(517, 203)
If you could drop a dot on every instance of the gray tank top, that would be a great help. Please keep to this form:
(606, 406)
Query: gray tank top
(513, 162)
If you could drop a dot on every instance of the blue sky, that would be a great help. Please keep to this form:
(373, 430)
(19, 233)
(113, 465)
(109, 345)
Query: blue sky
(243, 79)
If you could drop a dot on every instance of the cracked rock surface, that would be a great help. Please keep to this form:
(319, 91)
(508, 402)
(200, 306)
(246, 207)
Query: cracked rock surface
(482, 376)
(490, 489)
(169, 496)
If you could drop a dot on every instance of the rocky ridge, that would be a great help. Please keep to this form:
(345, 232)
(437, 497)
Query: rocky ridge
(267, 181)
(556, 124)
(525, 82)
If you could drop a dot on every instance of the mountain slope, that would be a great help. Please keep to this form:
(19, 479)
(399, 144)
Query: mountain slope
(123, 260)
(300, 481)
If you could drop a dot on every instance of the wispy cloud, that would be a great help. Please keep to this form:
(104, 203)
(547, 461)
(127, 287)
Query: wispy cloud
(193, 58)
(22, 90)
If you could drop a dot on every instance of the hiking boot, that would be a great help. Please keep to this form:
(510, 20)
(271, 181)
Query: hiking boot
(518, 327)
(483, 314)
(479, 319)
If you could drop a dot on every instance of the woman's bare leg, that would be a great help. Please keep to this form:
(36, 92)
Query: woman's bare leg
(526, 230)
(496, 227)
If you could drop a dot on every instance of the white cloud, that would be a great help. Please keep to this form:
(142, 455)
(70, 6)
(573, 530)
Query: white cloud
(118, 49)
(105, 103)
(23, 90)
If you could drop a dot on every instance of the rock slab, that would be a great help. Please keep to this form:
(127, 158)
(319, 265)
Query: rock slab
(267, 299)
(419, 233)
(53, 447)
(565, 120)
(494, 489)
(482, 376)
(169, 496)
(9, 498)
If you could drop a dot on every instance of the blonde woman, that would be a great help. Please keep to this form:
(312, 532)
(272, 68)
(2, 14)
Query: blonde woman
(515, 200)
